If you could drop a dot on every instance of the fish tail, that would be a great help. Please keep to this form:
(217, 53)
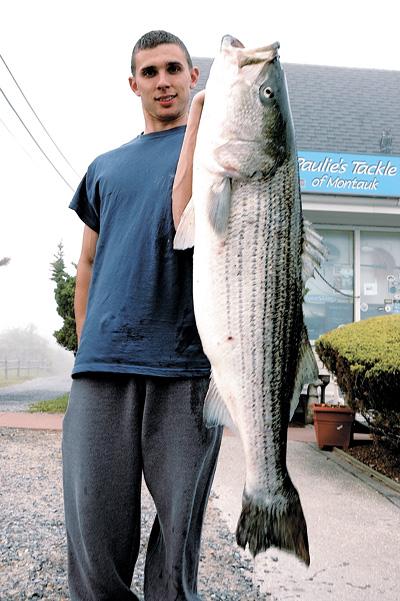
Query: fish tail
(278, 523)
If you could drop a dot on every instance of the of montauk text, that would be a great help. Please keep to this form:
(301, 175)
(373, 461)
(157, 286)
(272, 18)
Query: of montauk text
(341, 183)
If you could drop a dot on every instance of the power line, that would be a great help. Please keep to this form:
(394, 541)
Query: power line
(15, 138)
(37, 116)
(36, 142)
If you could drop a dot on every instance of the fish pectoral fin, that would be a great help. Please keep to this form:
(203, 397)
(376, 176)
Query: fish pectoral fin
(314, 251)
(307, 370)
(184, 237)
(219, 205)
(215, 412)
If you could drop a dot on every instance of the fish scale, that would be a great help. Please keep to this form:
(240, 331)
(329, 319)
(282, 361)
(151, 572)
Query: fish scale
(249, 293)
(250, 265)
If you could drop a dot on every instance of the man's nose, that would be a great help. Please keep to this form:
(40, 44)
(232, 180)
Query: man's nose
(163, 79)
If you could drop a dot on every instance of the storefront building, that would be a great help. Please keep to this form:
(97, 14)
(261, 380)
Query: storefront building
(361, 276)
(347, 124)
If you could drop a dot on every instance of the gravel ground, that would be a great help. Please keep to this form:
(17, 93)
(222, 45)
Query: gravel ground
(32, 536)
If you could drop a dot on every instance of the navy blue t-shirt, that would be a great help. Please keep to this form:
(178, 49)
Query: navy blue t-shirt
(140, 315)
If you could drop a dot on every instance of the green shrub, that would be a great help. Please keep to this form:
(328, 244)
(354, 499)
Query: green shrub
(64, 295)
(365, 358)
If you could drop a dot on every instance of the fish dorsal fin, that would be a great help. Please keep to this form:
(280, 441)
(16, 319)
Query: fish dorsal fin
(307, 370)
(219, 205)
(184, 237)
(314, 251)
(215, 412)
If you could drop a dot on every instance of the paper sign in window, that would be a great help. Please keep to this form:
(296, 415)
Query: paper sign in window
(370, 288)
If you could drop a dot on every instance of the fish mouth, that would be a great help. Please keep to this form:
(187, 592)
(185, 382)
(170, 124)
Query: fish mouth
(229, 40)
(271, 48)
(250, 56)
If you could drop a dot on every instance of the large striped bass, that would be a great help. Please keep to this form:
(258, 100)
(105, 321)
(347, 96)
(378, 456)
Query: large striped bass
(252, 255)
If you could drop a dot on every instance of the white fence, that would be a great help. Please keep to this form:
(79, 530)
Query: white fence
(19, 368)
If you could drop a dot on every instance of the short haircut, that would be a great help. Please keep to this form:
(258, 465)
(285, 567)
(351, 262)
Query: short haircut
(154, 38)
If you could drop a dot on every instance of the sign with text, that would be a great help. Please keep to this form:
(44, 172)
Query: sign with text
(351, 174)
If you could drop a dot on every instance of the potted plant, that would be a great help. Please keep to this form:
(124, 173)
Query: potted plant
(333, 425)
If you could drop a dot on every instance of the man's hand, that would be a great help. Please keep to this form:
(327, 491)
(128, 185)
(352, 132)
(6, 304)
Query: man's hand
(182, 189)
(198, 100)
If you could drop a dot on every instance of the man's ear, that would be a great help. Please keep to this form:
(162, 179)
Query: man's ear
(133, 85)
(194, 76)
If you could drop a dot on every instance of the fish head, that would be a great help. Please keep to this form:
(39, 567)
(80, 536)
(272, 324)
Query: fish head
(249, 118)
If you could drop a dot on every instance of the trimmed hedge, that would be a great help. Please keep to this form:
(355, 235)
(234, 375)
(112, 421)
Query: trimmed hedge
(365, 358)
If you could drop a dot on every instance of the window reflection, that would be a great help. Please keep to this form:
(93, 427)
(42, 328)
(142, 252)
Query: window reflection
(324, 307)
(380, 273)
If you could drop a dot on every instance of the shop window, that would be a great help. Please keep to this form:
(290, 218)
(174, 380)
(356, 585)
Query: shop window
(380, 273)
(329, 299)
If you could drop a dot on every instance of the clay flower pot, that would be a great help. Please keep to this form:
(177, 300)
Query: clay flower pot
(333, 425)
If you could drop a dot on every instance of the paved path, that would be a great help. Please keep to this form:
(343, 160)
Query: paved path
(33, 421)
(353, 529)
(19, 396)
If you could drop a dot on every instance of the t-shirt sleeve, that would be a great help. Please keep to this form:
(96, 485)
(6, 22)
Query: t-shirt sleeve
(86, 201)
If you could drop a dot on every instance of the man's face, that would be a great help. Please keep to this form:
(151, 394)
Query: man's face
(163, 81)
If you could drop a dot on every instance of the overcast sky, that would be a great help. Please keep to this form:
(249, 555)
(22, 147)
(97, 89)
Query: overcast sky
(72, 61)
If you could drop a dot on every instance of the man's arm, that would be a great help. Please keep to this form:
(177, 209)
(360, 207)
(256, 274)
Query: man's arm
(182, 189)
(84, 276)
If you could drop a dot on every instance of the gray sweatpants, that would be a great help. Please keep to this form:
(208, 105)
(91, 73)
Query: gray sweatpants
(116, 428)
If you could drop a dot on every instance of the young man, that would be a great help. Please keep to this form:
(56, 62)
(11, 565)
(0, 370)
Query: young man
(140, 375)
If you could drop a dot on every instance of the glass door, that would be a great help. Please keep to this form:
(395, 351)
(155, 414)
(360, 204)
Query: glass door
(380, 274)
(329, 299)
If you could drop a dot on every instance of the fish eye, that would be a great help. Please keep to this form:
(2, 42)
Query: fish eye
(267, 92)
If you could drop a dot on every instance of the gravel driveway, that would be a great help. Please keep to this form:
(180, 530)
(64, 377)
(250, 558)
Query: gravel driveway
(32, 536)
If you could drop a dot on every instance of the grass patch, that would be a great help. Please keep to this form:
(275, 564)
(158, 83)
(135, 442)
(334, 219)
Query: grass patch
(57, 405)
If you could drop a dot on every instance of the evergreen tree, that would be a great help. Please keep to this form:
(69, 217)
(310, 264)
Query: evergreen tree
(4, 261)
(64, 294)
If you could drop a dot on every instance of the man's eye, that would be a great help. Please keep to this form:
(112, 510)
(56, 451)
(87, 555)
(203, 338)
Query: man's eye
(150, 72)
(174, 68)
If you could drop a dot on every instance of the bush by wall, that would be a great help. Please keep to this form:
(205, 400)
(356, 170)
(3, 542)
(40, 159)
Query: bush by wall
(365, 358)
